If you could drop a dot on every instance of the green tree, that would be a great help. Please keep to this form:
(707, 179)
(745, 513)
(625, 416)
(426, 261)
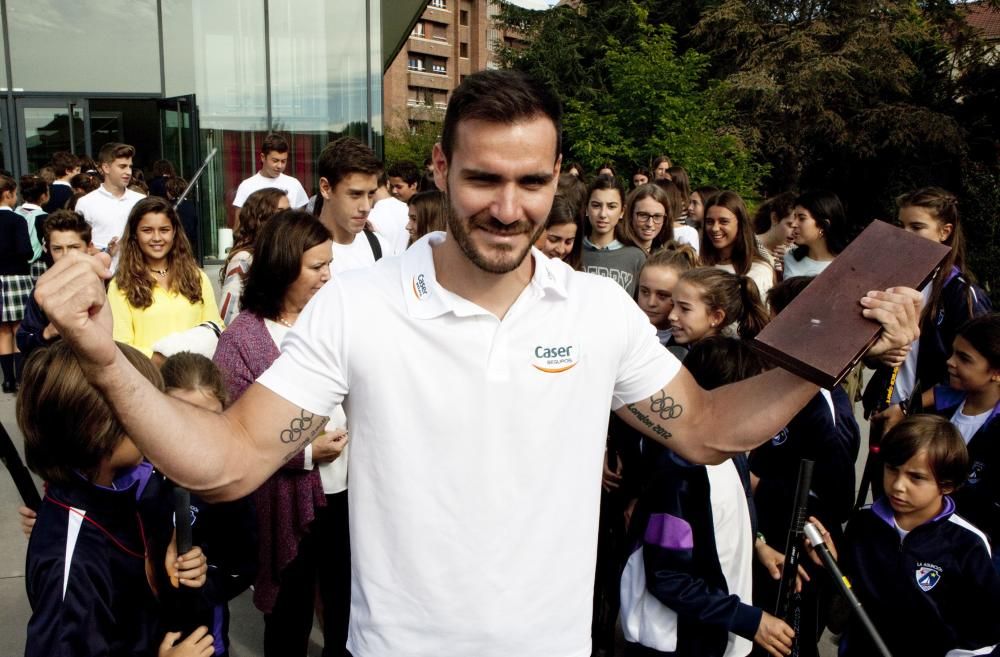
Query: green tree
(629, 96)
(413, 145)
(868, 99)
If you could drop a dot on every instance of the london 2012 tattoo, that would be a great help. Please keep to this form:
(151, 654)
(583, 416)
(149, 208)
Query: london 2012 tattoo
(665, 407)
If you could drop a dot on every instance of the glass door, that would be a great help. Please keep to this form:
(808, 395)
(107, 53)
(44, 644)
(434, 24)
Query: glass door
(180, 143)
(49, 125)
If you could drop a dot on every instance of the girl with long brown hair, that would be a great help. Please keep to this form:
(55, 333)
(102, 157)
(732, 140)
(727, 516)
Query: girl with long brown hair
(256, 211)
(728, 241)
(158, 289)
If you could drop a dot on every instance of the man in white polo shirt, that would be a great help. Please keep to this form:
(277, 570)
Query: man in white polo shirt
(273, 160)
(106, 208)
(478, 376)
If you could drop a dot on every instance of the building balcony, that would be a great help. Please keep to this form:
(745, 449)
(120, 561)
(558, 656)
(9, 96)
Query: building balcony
(421, 112)
(429, 80)
(424, 46)
(439, 15)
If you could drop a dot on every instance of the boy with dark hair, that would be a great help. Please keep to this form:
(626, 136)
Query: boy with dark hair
(90, 573)
(63, 231)
(66, 165)
(403, 180)
(921, 571)
(273, 160)
(348, 179)
(107, 208)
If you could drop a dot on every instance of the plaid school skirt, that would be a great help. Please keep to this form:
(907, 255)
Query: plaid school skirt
(38, 267)
(14, 292)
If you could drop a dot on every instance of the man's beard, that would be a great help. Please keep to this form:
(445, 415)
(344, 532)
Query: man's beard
(461, 231)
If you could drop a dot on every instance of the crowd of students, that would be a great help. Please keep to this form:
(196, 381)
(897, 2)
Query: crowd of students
(689, 555)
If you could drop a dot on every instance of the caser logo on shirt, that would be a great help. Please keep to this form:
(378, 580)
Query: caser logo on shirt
(420, 289)
(553, 359)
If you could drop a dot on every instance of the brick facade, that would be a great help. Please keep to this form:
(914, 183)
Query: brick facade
(451, 39)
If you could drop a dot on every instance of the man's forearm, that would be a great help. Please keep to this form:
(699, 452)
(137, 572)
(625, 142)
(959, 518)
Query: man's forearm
(196, 448)
(748, 413)
(711, 426)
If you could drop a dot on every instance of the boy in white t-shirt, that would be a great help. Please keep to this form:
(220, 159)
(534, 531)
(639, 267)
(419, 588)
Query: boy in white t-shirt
(348, 179)
(273, 160)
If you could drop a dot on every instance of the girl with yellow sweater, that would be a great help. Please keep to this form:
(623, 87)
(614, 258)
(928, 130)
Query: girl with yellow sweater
(158, 289)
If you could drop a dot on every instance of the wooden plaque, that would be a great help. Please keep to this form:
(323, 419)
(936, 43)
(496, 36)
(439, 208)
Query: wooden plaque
(822, 335)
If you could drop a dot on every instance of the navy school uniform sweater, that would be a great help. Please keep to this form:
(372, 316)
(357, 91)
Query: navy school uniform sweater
(929, 593)
(15, 244)
(86, 573)
(826, 432)
(227, 534)
(978, 499)
(674, 526)
(960, 301)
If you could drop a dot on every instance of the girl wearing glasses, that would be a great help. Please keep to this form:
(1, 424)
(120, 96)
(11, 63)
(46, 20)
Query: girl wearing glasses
(649, 217)
(728, 241)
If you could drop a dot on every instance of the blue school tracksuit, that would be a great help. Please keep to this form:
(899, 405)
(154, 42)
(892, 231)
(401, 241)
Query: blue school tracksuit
(978, 499)
(86, 573)
(959, 302)
(680, 560)
(931, 594)
(95, 574)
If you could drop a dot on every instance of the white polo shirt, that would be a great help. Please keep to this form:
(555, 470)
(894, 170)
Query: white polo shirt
(297, 197)
(476, 448)
(390, 216)
(106, 213)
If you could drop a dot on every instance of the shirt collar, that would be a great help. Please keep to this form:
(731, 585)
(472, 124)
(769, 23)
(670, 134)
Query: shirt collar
(883, 510)
(31, 206)
(107, 194)
(426, 299)
(613, 245)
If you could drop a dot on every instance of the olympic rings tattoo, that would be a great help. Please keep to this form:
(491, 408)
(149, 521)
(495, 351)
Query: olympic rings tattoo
(665, 406)
(298, 428)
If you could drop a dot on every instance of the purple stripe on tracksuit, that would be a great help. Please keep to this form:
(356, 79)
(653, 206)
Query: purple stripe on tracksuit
(670, 532)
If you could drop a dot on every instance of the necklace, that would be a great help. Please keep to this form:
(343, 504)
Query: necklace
(159, 272)
(284, 322)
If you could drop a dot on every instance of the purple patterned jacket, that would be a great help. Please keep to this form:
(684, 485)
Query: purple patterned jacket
(286, 503)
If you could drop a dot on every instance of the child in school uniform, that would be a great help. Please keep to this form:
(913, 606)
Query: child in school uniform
(95, 551)
(971, 401)
(64, 231)
(225, 531)
(15, 280)
(922, 572)
(825, 432)
(686, 587)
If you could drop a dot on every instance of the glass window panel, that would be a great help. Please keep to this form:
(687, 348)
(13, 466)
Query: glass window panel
(320, 85)
(110, 46)
(215, 51)
(47, 130)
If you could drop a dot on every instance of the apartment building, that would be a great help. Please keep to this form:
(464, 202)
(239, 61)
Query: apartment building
(451, 39)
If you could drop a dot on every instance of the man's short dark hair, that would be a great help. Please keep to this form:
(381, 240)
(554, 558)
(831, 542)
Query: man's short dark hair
(273, 143)
(69, 221)
(63, 162)
(345, 156)
(408, 171)
(114, 151)
(501, 96)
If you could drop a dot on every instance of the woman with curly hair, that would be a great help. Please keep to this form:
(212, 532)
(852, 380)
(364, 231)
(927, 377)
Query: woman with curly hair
(257, 209)
(158, 289)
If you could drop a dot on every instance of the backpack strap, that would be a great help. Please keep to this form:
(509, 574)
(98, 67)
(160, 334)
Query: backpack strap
(374, 244)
